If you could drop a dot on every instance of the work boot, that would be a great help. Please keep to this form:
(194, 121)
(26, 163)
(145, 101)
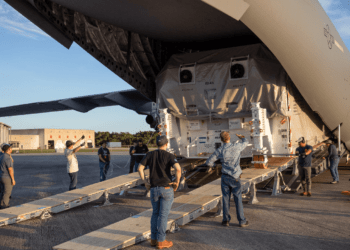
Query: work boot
(153, 243)
(244, 225)
(308, 193)
(164, 244)
(334, 182)
(303, 194)
(346, 192)
(225, 223)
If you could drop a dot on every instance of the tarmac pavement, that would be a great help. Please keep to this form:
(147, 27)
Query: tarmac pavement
(288, 221)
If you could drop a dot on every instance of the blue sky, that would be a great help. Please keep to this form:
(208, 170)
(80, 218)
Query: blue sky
(34, 67)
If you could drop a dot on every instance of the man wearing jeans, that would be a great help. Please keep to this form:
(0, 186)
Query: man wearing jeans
(132, 151)
(72, 161)
(333, 158)
(229, 155)
(105, 158)
(162, 189)
(141, 150)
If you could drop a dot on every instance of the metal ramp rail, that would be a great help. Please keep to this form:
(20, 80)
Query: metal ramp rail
(185, 209)
(64, 201)
(61, 202)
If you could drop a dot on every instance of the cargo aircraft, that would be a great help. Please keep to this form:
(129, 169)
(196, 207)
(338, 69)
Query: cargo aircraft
(271, 70)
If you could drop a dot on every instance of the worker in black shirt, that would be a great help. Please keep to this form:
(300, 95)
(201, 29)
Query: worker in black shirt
(305, 159)
(140, 149)
(333, 158)
(132, 157)
(104, 157)
(162, 189)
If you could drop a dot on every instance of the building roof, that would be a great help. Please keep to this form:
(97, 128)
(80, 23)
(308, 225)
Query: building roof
(1, 123)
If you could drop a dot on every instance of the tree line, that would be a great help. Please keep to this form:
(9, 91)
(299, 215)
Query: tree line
(126, 138)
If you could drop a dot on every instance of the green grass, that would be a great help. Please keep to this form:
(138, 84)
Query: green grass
(33, 151)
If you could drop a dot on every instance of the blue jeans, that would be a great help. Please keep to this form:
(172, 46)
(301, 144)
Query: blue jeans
(334, 168)
(73, 180)
(136, 167)
(231, 185)
(162, 198)
(104, 166)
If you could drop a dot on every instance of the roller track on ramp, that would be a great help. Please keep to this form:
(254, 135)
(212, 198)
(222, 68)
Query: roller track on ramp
(65, 201)
(185, 208)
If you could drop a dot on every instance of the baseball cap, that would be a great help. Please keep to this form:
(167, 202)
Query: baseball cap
(5, 147)
(69, 143)
(301, 139)
(161, 140)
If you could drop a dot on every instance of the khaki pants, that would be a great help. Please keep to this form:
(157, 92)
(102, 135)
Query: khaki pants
(6, 190)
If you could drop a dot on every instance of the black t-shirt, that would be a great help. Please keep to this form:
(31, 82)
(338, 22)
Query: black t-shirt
(160, 163)
(130, 150)
(140, 150)
(333, 153)
(104, 152)
(305, 162)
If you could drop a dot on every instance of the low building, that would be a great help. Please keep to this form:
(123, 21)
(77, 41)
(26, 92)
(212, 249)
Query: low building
(114, 144)
(49, 138)
(4, 133)
(25, 141)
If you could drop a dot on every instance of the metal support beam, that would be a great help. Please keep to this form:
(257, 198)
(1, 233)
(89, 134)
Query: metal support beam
(284, 187)
(174, 227)
(276, 185)
(253, 199)
(107, 202)
(295, 174)
(219, 213)
(45, 215)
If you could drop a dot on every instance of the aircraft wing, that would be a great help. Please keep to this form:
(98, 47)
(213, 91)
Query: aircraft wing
(130, 99)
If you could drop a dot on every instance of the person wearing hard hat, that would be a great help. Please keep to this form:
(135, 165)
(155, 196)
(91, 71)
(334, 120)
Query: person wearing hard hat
(304, 152)
(72, 161)
(333, 158)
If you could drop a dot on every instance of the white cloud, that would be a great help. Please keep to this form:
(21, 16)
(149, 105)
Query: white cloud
(339, 15)
(2, 10)
(13, 21)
